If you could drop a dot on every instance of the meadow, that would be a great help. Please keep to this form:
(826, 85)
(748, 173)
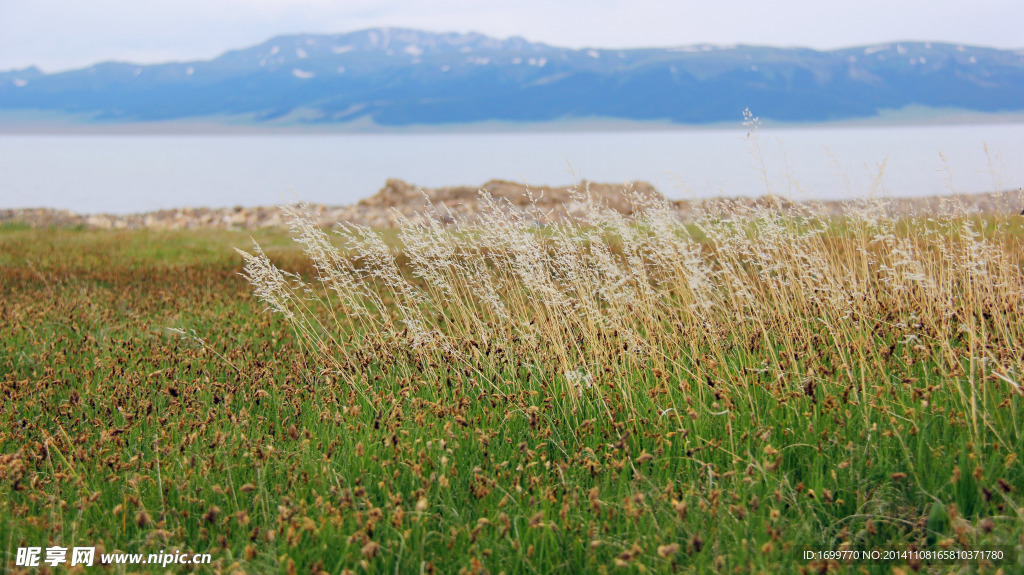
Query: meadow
(605, 394)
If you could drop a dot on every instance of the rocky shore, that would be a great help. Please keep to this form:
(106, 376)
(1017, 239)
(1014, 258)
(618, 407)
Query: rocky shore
(544, 204)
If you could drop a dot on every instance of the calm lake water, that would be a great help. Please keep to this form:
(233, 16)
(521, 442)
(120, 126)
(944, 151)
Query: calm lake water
(130, 173)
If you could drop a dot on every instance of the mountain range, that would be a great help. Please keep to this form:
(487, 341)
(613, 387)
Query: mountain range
(400, 77)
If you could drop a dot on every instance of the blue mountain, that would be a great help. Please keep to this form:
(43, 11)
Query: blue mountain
(399, 77)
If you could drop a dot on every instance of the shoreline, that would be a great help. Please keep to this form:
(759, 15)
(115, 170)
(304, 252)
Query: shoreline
(399, 199)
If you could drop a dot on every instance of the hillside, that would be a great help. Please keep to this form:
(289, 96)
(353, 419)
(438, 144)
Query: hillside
(397, 77)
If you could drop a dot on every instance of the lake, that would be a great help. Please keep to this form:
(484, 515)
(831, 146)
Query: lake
(133, 173)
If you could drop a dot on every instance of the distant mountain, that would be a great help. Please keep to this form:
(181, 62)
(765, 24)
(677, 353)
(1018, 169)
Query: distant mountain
(400, 77)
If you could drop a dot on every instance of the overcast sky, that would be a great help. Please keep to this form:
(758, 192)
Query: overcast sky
(63, 34)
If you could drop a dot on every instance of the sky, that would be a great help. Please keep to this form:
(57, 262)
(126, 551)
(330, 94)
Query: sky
(64, 34)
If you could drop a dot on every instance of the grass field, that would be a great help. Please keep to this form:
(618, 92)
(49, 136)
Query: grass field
(833, 405)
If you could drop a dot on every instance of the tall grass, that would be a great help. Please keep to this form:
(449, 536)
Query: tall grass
(801, 300)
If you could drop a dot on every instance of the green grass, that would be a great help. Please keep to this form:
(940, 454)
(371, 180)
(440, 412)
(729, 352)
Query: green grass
(117, 432)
